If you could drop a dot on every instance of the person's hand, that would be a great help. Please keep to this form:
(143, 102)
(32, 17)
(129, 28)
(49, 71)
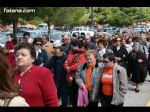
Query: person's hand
(42, 64)
(70, 80)
(68, 69)
(140, 60)
(82, 86)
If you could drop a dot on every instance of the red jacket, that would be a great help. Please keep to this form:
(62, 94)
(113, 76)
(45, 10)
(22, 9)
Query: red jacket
(73, 60)
(37, 87)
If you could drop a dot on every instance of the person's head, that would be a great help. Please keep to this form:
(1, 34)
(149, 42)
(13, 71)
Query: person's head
(10, 37)
(106, 37)
(45, 39)
(91, 58)
(76, 35)
(65, 39)
(26, 36)
(136, 46)
(87, 39)
(118, 41)
(59, 51)
(129, 40)
(37, 42)
(76, 45)
(101, 44)
(143, 37)
(24, 54)
(109, 59)
(6, 76)
(73, 38)
(123, 42)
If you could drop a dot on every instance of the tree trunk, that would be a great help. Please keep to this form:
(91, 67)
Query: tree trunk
(15, 27)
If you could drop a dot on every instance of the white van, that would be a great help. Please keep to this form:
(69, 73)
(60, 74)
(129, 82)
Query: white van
(43, 26)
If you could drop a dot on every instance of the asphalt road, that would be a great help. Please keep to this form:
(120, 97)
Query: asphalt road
(138, 99)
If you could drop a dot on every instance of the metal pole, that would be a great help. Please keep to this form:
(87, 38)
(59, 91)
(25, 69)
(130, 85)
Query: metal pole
(141, 14)
(91, 17)
(14, 27)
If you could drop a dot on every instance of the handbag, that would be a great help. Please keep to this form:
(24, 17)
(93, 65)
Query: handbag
(82, 98)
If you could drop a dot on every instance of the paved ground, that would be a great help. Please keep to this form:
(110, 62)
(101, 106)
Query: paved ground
(133, 99)
(138, 99)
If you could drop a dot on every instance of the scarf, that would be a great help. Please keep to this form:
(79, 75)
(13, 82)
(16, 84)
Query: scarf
(88, 78)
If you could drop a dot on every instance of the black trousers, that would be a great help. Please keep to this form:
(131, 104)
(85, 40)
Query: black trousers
(73, 93)
(93, 104)
(106, 102)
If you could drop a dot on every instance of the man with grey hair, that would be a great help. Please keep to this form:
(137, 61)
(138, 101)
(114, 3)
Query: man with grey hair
(66, 43)
(144, 45)
(88, 44)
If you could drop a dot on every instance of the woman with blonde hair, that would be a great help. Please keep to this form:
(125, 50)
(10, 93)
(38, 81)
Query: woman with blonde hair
(87, 75)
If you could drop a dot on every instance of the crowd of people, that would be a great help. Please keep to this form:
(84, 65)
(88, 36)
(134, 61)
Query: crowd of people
(43, 73)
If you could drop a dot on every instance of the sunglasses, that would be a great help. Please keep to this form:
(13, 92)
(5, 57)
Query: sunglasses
(38, 44)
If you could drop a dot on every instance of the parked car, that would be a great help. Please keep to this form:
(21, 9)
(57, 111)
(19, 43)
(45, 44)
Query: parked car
(43, 26)
(139, 30)
(3, 41)
(34, 33)
(56, 36)
(103, 33)
(6, 32)
(82, 31)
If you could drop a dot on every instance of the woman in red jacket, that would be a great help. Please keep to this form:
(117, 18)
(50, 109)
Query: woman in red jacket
(9, 49)
(75, 57)
(35, 83)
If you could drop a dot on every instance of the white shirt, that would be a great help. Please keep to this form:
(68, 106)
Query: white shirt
(128, 48)
(37, 52)
(102, 52)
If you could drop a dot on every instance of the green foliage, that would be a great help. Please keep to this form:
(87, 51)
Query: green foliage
(36, 21)
(70, 16)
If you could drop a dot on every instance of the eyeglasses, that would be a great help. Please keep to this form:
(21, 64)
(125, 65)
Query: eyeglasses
(38, 44)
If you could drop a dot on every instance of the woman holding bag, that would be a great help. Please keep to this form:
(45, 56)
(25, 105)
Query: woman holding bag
(87, 75)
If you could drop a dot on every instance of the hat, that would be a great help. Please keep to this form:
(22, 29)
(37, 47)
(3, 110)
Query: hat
(57, 43)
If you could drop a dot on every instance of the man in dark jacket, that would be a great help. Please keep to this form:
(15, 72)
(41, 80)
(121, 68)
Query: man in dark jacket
(66, 43)
(56, 65)
(120, 52)
(88, 44)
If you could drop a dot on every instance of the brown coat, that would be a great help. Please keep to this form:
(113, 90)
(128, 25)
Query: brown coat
(48, 47)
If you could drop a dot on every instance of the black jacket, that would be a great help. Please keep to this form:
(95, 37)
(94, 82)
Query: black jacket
(56, 65)
(42, 58)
